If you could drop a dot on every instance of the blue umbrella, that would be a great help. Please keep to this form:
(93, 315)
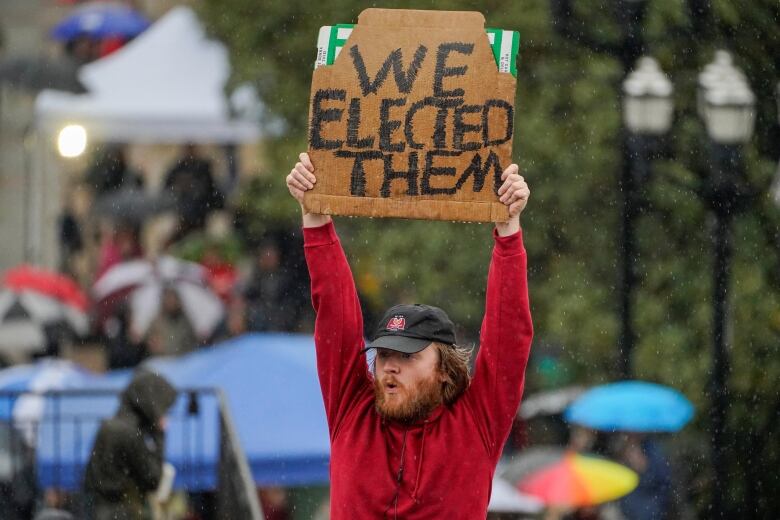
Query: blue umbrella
(101, 20)
(631, 406)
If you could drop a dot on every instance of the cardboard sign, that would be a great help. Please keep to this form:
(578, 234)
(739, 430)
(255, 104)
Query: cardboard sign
(413, 119)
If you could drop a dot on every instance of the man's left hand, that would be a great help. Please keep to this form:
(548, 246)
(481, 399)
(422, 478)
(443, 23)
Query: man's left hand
(514, 191)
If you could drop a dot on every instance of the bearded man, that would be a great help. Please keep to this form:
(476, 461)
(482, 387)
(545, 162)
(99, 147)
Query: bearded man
(416, 438)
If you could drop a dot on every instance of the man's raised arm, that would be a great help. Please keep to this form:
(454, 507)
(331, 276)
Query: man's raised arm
(506, 334)
(338, 330)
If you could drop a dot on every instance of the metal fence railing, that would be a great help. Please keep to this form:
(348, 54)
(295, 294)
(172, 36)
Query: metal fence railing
(236, 494)
(46, 439)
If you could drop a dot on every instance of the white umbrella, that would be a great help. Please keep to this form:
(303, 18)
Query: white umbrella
(145, 281)
(505, 498)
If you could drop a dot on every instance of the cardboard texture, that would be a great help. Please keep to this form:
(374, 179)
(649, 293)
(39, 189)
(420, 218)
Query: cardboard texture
(412, 120)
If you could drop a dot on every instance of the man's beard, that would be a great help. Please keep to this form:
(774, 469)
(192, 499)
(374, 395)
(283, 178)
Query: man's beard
(414, 406)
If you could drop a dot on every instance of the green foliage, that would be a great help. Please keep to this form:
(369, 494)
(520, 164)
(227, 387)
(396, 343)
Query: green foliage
(568, 144)
(195, 246)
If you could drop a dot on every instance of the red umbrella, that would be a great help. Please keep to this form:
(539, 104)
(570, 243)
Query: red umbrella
(31, 301)
(47, 283)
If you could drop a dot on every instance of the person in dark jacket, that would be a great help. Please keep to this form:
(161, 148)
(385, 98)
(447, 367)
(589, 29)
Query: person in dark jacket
(191, 183)
(110, 171)
(127, 457)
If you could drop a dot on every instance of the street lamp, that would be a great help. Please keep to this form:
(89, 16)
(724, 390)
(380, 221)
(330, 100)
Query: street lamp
(72, 141)
(647, 115)
(647, 101)
(727, 107)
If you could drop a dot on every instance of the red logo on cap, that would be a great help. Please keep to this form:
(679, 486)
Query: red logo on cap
(396, 323)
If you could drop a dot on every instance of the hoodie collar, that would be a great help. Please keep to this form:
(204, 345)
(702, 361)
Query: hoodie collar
(432, 417)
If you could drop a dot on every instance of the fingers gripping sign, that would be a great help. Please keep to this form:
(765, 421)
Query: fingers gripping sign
(514, 194)
(301, 177)
(300, 180)
(514, 191)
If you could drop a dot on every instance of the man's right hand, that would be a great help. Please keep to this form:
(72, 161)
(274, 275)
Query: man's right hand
(301, 180)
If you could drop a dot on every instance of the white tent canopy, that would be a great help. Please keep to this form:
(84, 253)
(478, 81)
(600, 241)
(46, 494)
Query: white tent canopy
(166, 86)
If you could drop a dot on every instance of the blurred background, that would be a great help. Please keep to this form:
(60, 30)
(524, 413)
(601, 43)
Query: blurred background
(143, 164)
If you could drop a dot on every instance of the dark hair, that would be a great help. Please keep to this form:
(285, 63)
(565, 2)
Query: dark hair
(454, 362)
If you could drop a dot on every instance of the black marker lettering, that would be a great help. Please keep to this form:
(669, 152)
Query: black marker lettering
(480, 172)
(410, 175)
(357, 182)
(353, 127)
(403, 79)
(430, 171)
(320, 116)
(387, 126)
(442, 71)
(510, 114)
(461, 128)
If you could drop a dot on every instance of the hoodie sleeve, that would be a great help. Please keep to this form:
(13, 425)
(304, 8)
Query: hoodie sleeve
(144, 458)
(338, 329)
(505, 342)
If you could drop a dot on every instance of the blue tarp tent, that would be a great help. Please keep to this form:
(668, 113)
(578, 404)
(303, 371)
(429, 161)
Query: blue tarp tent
(270, 383)
(272, 389)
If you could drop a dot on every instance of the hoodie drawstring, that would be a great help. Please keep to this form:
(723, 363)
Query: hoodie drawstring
(420, 462)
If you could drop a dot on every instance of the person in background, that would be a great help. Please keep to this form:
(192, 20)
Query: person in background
(275, 503)
(171, 333)
(222, 275)
(652, 498)
(122, 347)
(126, 462)
(268, 292)
(82, 49)
(119, 242)
(110, 171)
(190, 182)
(70, 240)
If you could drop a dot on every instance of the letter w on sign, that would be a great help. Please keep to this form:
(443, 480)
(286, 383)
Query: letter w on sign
(430, 142)
(403, 80)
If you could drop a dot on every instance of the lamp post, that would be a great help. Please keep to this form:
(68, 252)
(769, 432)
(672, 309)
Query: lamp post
(647, 115)
(727, 107)
(775, 189)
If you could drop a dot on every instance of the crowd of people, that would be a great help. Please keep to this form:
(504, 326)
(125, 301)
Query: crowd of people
(261, 289)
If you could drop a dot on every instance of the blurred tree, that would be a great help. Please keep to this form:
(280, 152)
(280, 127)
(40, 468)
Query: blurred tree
(567, 142)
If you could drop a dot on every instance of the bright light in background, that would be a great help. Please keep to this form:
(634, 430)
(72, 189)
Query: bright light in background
(72, 141)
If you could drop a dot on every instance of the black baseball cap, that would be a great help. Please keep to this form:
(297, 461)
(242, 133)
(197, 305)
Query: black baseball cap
(410, 328)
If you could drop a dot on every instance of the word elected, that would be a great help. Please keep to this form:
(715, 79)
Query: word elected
(394, 129)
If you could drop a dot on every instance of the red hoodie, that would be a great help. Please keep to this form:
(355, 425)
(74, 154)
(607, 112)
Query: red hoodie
(441, 468)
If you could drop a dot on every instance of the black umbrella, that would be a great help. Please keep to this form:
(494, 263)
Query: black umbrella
(133, 205)
(550, 402)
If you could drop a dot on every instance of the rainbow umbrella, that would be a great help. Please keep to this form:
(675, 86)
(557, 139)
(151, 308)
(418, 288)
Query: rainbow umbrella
(579, 480)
